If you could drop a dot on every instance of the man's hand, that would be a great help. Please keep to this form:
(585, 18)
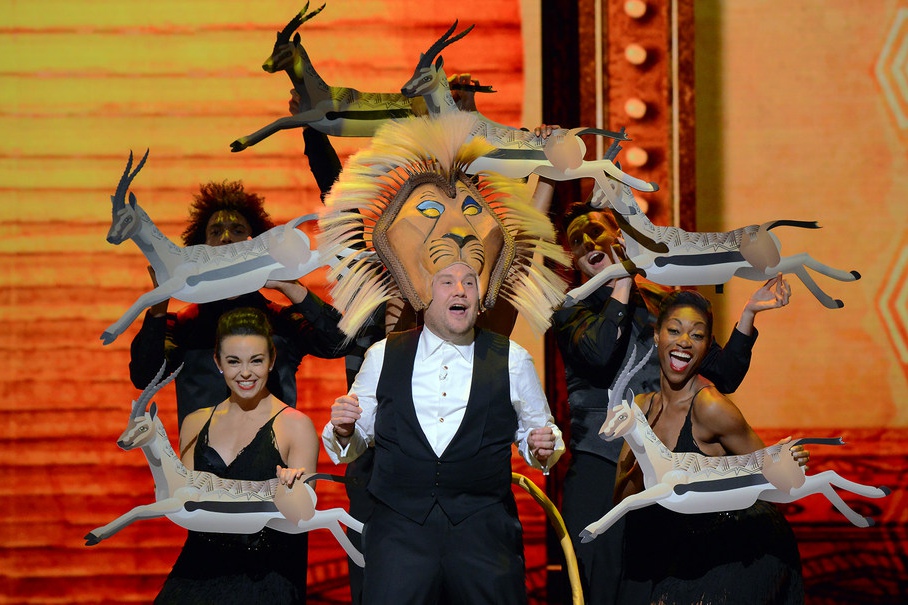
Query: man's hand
(542, 443)
(345, 411)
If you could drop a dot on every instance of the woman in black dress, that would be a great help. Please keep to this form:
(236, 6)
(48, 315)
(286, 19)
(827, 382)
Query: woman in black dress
(737, 558)
(252, 436)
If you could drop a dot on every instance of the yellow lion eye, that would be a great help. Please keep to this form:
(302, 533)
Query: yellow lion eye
(471, 207)
(430, 209)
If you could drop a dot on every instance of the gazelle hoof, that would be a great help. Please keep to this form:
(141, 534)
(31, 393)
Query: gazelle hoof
(91, 539)
(587, 536)
(237, 145)
(108, 337)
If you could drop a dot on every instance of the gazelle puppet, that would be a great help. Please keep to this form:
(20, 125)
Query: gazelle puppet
(333, 110)
(674, 257)
(201, 273)
(518, 152)
(693, 483)
(202, 501)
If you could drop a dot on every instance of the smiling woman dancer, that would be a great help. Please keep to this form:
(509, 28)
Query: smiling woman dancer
(251, 435)
(740, 557)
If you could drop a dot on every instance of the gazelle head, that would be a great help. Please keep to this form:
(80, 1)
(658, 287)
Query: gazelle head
(125, 221)
(620, 417)
(287, 55)
(428, 77)
(140, 430)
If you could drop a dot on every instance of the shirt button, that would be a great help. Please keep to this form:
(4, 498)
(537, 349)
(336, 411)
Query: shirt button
(441, 419)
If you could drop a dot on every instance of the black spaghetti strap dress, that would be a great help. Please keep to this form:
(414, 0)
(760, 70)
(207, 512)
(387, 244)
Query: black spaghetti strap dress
(265, 567)
(743, 557)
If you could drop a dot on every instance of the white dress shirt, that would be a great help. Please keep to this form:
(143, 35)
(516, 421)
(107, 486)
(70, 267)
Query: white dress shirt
(442, 376)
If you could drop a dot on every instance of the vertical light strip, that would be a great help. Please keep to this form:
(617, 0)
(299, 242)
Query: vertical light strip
(531, 31)
(676, 120)
(600, 151)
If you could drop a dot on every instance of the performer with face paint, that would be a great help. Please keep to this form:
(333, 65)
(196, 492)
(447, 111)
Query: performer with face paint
(224, 213)
(594, 338)
(442, 404)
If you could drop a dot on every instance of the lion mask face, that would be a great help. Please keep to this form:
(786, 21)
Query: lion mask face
(432, 224)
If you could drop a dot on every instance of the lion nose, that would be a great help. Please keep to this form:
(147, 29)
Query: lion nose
(460, 240)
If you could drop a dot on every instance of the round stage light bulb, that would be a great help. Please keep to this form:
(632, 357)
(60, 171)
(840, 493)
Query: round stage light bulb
(635, 54)
(636, 156)
(635, 108)
(635, 8)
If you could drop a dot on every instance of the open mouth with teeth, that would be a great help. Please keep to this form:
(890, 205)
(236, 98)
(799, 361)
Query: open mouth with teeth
(246, 384)
(679, 360)
(458, 308)
(595, 257)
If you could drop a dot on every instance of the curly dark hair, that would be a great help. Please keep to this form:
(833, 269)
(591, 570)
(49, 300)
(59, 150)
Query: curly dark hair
(686, 298)
(226, 195)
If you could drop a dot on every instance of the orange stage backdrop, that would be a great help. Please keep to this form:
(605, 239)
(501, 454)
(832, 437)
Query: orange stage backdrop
(82, 83)
(801, 115)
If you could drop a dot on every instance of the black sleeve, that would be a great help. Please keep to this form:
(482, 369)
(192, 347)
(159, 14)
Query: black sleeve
(727, 367)
(150, 347)
(588, 338)
(314, 322)
(323, 160)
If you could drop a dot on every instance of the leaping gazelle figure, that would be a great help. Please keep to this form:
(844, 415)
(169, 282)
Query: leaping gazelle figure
(202, 501)
(201, 273)
(518, 152)
(333, 110)
(693, 483)
(674, 257)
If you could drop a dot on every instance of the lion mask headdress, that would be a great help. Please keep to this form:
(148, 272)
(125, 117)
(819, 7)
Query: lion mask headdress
(407, 208)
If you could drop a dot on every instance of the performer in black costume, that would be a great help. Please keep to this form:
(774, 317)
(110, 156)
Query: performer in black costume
(746, 557)
(224, 213)
(251, 435)
(594, 337)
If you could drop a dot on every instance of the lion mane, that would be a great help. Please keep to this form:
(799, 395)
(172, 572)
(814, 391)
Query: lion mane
(404, 153)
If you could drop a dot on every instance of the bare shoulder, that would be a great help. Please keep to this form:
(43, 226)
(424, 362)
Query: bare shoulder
(194, 422)
(715, 411)
(292, 419)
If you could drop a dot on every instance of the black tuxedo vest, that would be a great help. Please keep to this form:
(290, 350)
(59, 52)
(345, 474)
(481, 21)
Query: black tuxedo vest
(475, 469)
